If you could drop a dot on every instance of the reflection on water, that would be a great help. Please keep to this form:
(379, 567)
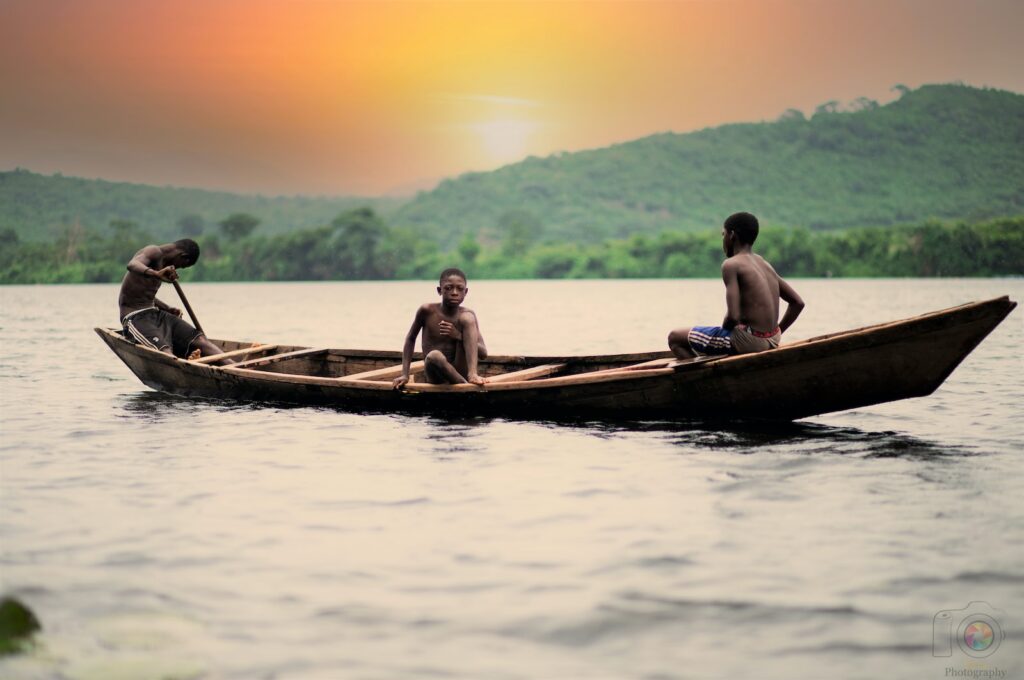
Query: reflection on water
(158, 536)
(738, 437)
(157, 406)
(811, 438)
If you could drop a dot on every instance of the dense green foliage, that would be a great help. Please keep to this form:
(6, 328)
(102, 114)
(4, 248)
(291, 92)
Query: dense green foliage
(358, 245)
(942, 151)
(39, 208)
(17, 624)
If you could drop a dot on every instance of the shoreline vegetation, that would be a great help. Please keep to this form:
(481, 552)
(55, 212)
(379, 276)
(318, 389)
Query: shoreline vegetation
(359, 245)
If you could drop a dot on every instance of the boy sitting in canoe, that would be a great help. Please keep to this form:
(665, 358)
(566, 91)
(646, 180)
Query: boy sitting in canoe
(752, 293)
(147, 320)
(451, 343)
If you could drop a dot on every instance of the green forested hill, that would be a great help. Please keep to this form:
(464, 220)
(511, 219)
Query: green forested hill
(941, 151)
(949, 152)
(40, 208)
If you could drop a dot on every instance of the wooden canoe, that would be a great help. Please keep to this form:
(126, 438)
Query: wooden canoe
(850, 369)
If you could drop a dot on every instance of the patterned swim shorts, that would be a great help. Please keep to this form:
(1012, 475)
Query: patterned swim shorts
(156, 328)
(716, 341)
(713, 340)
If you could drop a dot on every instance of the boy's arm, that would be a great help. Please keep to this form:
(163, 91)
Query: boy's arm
(794, 304)
(471, 346)
(730, 275)
(453, 332)
(166, 307)
(410, 347)
(481, 346)
(142, 264)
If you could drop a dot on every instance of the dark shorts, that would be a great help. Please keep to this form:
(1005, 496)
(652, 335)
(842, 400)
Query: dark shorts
(711, 340)
(158, 329)
(716, 341)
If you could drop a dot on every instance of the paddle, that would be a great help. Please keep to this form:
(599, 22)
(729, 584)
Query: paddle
(188, 307)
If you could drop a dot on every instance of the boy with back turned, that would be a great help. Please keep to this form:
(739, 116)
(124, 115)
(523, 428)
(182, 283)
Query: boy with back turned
(452, 344)
(752, 294)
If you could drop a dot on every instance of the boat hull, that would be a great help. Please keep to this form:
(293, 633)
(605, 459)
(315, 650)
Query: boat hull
(887, 362)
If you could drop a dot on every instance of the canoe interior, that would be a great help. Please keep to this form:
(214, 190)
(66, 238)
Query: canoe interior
(337, 363)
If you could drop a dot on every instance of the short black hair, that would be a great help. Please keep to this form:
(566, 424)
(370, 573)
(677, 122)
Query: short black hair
(188, 248)
(744, 225)
(452, 270)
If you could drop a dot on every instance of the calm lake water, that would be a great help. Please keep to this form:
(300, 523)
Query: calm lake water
(158, 537)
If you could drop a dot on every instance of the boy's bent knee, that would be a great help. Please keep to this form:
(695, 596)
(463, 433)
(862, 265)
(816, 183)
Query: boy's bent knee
(435, 356)
(680, 336)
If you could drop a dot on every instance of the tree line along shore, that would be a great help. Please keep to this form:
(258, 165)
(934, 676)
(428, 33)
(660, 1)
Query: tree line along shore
(359, 245)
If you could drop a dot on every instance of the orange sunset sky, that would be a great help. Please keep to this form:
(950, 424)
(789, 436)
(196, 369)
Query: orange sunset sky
(371, 97)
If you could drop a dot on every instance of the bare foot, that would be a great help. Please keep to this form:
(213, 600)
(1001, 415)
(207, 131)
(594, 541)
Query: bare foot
(195, 354)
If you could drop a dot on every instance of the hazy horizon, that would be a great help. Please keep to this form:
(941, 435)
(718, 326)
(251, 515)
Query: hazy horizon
(367, 99)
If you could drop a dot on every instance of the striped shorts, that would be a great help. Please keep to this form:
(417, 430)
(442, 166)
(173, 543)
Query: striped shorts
(713, 340)
(159, 330)
(716, 341)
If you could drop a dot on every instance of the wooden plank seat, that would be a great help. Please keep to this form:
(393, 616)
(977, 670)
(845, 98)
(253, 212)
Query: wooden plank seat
(392, 372)
(274, 358)
(595, 377)
(388, 373)
(536, 374)
(663, 362)
(526, 373)
(235, 353)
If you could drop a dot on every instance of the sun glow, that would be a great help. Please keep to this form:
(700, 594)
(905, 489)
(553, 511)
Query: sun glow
(504, 140)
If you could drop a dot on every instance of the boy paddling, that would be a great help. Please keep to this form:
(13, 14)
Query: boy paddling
(752, 293)
(147, 320)
(451, 343)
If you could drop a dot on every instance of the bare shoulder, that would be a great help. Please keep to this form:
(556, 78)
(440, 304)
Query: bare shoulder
(733, 266)
(766, 264)
(150, 252)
